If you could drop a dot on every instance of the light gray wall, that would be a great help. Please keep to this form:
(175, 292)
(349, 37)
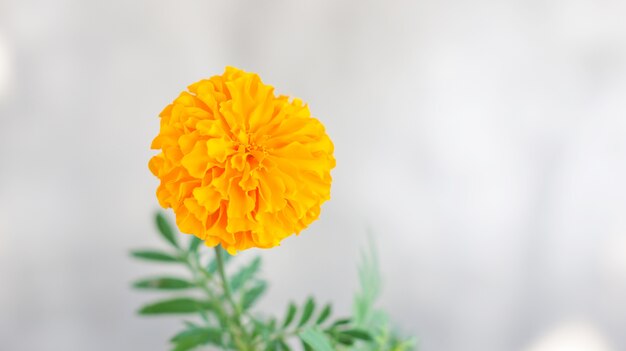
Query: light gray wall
(481, 141)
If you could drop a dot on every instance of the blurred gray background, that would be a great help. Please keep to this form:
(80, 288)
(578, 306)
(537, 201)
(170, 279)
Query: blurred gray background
(482, 142)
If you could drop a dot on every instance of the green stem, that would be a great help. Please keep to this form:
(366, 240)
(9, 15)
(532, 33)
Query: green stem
(227, 292)
(193, 263)
(240, 337)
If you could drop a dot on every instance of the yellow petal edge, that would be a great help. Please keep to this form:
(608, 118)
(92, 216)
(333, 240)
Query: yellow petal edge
(240, 166)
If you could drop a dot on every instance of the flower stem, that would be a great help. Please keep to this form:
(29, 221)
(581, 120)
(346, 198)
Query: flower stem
(220, 268)
(240, 337)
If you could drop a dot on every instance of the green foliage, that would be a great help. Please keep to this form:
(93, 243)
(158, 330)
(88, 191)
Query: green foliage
(309, 307)
(291, 312)
(249, 297)
(315, 339)
(325, 314)
(224, 309)
(245, 274)
(165, 229)
(369, 318)
(163, 283)
(194, 243)
(212, 266)
(178, 305)
(154, 255)
(194, 337)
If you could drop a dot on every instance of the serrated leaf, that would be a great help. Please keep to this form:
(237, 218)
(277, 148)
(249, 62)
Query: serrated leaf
(154, 255)
(291, 312)
(175, 306)
(193, 337)
(251, 296)
(357, 334)
(245, 274)
(324, 314)
(307, 312)
(316, 339)
(163, 283)
(194, 243)
(166, 229)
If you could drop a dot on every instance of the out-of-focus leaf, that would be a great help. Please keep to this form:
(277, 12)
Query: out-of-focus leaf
(154, 255)
(272, 346)
(283, 345)
(267, 332)
(307, 312)
(166, 229)
(342, 339)
(175, 306)
(370, 286)
(191, 324)
(193, 337)
(271, 325)
(194, 243)
(371, 323)
(316, 339)
(164, 283)
(340, 322)
(251, 296)
(324, 314)
(291, 312)
(357, 334)
(245, 274)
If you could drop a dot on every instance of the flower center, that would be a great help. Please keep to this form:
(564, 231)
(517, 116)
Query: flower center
(250, 151)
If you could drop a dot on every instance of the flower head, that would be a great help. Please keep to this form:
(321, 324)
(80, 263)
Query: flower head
(240, 166)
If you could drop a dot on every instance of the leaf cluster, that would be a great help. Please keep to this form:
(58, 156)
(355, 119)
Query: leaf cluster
(219, 312)
(371, 318)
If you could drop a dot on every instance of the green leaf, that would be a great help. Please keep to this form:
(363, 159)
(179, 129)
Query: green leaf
(342, 339)
(370, 286)
(278, 345)
(271, 325)
(324, 314)
(291, 312)
(245, 274)
(166, 229)
(193, 337)
(340, 322)
(307, 312)
(266, 330)
(153, 255)
(316, 339)
(164, 283)
(175, 306)
(194, 243)
(190, 324)
(252, 295)
(273, 346)
(357, 334)
(283, 345)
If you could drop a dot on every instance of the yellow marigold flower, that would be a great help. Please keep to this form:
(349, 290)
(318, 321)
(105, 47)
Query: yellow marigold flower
(240, 166)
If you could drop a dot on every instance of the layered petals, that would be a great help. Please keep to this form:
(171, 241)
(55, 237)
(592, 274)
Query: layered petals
(240, 166)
